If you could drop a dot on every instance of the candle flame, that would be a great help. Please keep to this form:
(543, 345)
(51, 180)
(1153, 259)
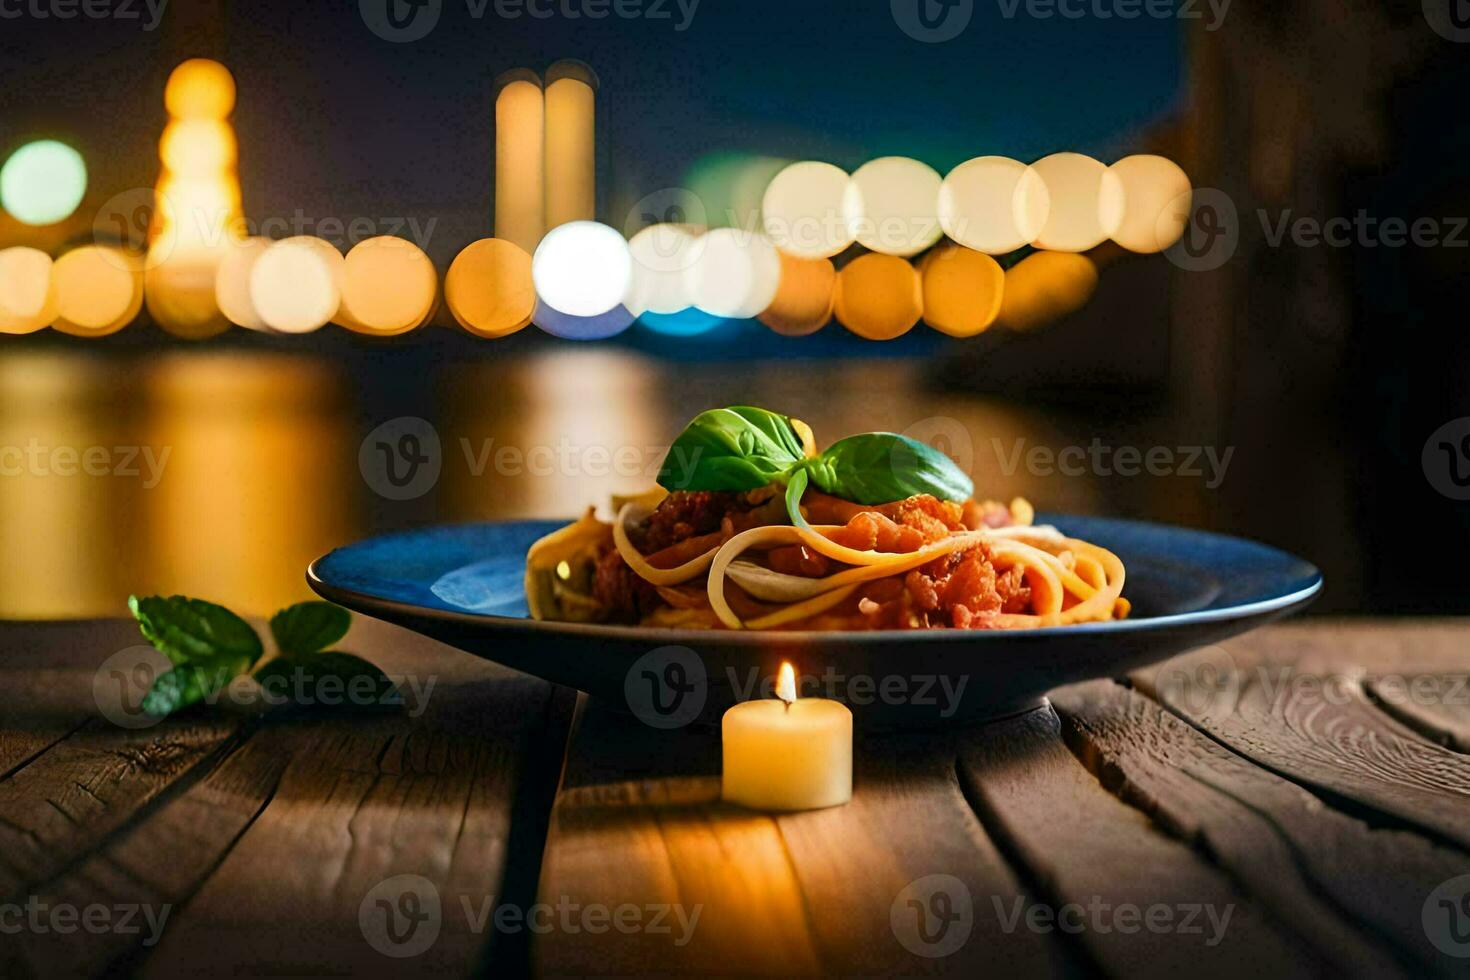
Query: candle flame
(786, 683)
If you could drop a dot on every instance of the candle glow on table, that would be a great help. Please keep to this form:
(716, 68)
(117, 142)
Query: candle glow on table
(787, 753)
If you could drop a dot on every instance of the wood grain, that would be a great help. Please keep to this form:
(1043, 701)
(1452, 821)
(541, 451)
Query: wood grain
(1291, 698)
(70, 799)
(1096, 856)
(1355, 892)
(155, 868)
(1437, 706)
(358, 804)
(777, 895)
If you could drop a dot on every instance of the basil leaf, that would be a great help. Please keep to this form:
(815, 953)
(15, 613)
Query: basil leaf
(881, 467)
(299, 681)
(187, 630)
(189, 684)
(309, 626)
(731, 449)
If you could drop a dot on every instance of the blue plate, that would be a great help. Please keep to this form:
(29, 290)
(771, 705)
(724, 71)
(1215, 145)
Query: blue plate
(463, 585)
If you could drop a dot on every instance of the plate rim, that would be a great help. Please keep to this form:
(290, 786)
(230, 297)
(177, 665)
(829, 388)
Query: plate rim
(364, 602)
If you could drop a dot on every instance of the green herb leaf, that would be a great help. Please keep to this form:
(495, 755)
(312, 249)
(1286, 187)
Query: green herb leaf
(303, 681)
(737, 448)
(188, 630)
(189, 684)
(309, 626)
(881, 467)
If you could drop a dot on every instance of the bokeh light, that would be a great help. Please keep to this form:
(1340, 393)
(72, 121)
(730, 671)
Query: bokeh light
(1086, 202)
(28, 296)
(520, 160)
(690, 322)
(43, 183)
(993, 204)
(582, 268)
(1156, 194)
(661, 254)
(179, 294)
(609, 323)
(197, 218)
(879, 296)
(570, 144)
(735, 275)
(200, 89)
(232, 283)
(99, 290)
(727, 189)
(893, 206)
(388, 287)
(1045, 287)
(804, 300)
(296, 285)
(962, 290)
(489, 290)
(805, 210)
(198, 147)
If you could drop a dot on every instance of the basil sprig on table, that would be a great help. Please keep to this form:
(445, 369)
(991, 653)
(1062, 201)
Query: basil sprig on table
(745, 448)
(209, 646)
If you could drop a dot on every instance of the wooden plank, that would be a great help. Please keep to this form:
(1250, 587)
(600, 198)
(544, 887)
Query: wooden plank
(1437, 706)
(1139, 901)
(436, 790)
(372, 818)
(70, 799)
(1291, 698)
(151, 870)
(1353, 891)
(638, 822)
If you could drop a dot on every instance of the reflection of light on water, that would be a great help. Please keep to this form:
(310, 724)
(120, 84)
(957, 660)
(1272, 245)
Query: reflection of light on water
(551, 434)
(70, 545)
(259, 477)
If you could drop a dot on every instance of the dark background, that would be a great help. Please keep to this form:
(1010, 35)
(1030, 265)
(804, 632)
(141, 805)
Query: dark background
(1326, 369)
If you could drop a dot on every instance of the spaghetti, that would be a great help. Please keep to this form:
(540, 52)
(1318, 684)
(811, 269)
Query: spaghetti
(740, 560)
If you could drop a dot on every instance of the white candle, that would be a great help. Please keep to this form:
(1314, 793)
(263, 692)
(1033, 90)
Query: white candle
(787, 753)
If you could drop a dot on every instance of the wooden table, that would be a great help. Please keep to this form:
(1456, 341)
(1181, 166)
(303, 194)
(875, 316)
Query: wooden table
(1293, 804)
